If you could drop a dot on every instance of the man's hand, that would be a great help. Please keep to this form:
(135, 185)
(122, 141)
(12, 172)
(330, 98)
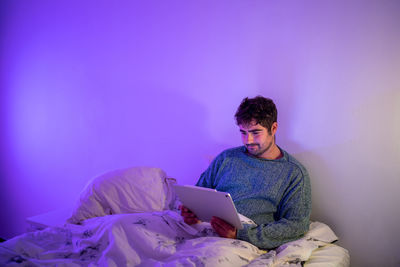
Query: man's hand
(223, 228)
(188, 216)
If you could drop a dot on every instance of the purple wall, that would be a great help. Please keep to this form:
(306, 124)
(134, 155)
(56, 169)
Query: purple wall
(90, 86)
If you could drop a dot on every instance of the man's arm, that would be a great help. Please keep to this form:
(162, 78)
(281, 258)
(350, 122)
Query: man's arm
(209, 177)
(293, 217)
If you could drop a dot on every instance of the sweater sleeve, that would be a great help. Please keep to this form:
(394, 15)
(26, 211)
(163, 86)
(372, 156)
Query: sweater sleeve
(209, 177)
(292, 218)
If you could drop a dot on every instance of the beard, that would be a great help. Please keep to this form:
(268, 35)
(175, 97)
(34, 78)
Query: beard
(256, 150)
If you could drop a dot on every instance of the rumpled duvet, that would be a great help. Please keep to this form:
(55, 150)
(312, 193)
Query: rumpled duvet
(151, 239)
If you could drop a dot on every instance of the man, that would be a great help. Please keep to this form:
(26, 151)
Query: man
(267, 184)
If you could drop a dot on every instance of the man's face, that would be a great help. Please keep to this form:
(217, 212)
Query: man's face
(257, 139)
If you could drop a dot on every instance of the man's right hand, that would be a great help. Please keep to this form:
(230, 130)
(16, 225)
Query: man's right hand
(188, 216)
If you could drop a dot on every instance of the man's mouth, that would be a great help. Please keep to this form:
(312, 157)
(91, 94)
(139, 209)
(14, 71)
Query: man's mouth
(252, 146)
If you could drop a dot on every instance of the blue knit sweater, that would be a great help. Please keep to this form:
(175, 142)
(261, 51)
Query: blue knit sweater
(275, 194)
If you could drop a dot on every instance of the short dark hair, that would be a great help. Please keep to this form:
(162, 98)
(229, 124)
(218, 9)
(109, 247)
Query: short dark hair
(260, 109)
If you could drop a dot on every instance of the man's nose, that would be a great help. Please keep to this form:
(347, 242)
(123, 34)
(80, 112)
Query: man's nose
(249, 139)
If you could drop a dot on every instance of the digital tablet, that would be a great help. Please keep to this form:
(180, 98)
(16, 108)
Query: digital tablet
(206, 202)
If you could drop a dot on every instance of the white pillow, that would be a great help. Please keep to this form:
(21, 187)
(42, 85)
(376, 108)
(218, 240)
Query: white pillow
(137, 189)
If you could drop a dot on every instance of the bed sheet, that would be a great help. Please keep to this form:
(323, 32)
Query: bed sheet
(151, 239)
(329, 255)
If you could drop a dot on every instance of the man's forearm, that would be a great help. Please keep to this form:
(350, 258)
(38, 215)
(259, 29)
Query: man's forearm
(273, 235)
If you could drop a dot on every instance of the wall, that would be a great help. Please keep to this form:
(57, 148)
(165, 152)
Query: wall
(91, 86)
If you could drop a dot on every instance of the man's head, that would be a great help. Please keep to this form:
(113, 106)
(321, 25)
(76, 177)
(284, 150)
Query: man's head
(257, 120)
(260, 110)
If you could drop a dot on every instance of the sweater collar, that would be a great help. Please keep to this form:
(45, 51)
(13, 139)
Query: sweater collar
(283, 157)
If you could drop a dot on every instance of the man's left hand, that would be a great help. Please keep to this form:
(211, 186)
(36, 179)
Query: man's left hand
(223, 228)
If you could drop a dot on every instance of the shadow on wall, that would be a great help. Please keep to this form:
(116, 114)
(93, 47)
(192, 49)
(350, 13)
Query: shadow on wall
(356, 198)
(323, 185)
(355, 183)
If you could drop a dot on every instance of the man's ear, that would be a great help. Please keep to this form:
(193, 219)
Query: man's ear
(274, 127)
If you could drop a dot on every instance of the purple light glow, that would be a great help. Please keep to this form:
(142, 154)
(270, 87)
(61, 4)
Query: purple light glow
(92, 86)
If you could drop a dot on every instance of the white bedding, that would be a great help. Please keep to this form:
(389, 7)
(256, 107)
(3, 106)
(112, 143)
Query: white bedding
(129, 218)
(151, 239)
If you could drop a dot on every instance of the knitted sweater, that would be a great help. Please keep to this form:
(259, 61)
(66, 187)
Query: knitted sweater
(275, 194)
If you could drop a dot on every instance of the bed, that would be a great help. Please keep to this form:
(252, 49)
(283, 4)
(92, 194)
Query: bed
(130, 217)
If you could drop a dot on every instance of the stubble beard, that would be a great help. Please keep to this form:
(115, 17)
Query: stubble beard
(259, 153)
